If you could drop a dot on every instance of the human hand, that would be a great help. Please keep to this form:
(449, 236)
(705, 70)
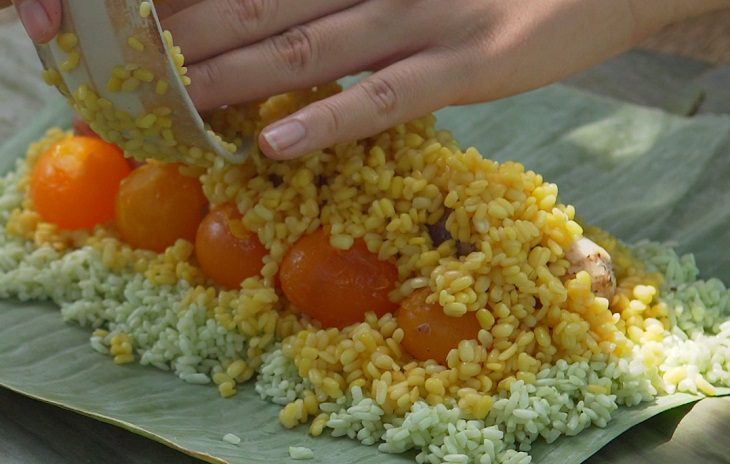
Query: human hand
(41, 18)
(426, 54)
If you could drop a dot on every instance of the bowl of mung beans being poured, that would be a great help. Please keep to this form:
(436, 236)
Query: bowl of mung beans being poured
(126, 78)
(399, 290)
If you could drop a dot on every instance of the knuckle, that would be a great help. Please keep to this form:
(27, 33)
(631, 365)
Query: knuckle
(206, 74)
(211, 72)
(248, 15)
(329, 115)
(381, 93)
(295, 48)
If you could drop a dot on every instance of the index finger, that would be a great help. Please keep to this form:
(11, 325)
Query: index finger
(211, 27)
(401, 92)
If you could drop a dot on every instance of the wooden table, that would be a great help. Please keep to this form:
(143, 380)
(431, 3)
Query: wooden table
(695, 76)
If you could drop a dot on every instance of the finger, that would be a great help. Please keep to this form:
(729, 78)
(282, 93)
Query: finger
(170, 7)
(211, 27)
(401, 92)
(311, 54)
(41, 18)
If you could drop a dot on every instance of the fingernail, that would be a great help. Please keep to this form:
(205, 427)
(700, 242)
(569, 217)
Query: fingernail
(34, 18)
(284, 135)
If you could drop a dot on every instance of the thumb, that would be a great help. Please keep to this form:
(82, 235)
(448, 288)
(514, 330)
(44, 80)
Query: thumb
(41, 18)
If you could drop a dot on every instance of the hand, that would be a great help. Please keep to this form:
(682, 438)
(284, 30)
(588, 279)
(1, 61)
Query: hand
(41, 18)
(426, 54)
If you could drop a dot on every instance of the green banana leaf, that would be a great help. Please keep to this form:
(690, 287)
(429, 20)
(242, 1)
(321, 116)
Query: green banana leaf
(637, 172)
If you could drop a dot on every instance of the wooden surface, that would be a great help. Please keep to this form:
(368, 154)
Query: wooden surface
(33, 432)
